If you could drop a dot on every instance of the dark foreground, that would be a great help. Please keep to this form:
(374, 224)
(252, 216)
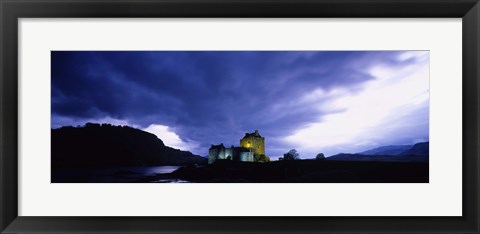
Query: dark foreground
(301, 171)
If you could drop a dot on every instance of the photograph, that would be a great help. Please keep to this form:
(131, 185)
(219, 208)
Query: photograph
(240, 116)
(166, 116)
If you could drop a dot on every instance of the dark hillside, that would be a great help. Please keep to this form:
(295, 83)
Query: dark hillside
(95, 145)
(418, 149)
(380, 158)
(387, 150)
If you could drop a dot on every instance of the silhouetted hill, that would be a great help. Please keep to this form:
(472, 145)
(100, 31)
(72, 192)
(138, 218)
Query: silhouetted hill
(383, 158)
(418, 149)
(387, 150)
(96, 145)
(416, 153)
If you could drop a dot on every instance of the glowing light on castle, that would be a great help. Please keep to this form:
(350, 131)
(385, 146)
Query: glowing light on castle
(254, 142)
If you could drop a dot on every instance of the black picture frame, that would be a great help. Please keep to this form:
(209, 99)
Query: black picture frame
(11, 11)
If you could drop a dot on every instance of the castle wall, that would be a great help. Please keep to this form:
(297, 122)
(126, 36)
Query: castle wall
(246, 156)
(220, 152)
(212, 155)
(229, 153)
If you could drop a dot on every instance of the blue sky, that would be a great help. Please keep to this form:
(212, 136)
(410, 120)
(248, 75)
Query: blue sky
(313, 101)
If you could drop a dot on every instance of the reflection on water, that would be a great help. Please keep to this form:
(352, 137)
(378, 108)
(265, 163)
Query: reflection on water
(110, 175)
(171, 181)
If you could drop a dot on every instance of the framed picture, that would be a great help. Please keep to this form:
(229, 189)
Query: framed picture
(205, 116)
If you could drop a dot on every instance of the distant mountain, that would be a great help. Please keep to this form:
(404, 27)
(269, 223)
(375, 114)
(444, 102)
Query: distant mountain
(387, 150)
(413, 153)
(418, 149)
(95, 145)
(383, 158)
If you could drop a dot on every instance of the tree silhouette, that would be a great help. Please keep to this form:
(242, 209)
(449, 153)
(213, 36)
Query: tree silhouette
(320, 156)
(291, 155)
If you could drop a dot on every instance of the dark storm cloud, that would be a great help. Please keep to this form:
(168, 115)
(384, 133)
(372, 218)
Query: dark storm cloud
(206, 97)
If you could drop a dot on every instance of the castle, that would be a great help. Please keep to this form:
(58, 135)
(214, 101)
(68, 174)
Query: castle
(252, 149)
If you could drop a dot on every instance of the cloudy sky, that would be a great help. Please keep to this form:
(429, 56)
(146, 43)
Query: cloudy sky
(312, 101)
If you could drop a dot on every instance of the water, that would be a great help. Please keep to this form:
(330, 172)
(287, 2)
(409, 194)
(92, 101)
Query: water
(110, 175)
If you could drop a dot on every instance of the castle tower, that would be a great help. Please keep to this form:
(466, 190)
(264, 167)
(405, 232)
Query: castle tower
(255, 142)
